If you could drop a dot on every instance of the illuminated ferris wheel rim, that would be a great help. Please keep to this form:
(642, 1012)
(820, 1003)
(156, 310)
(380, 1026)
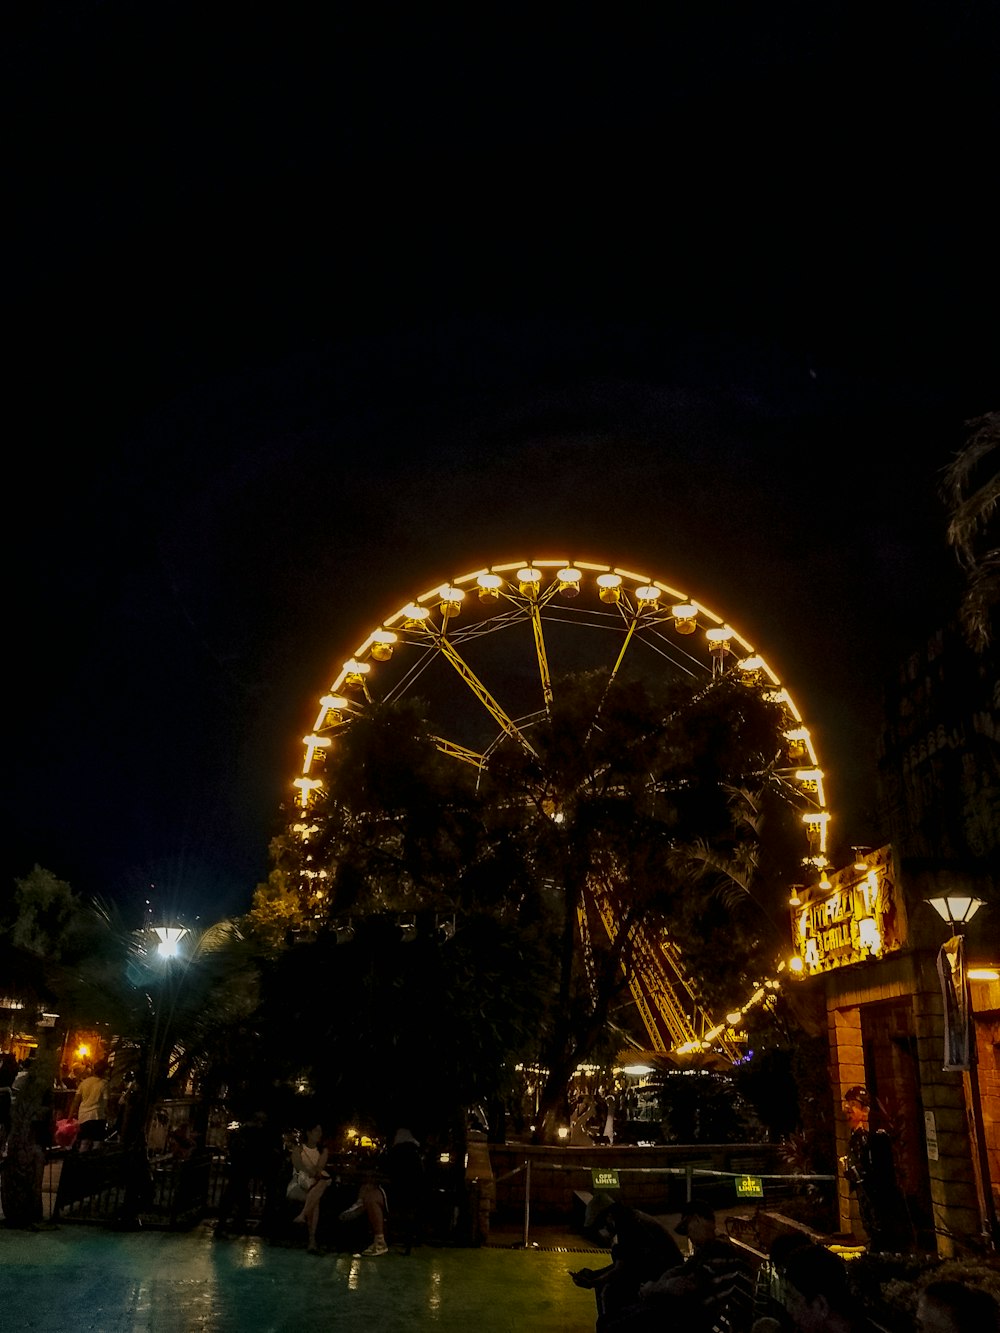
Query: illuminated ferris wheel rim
(531, 588)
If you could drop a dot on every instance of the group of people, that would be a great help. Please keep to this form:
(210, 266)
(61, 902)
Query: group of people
(817, 1298)
(649, 1286)
(306, 1177)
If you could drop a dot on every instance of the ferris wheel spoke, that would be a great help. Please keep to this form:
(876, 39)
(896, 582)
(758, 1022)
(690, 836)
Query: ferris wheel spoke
(466, 673)
(543, 662)
(457, 751)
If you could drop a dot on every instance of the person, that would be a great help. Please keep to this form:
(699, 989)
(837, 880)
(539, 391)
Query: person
(8, 1073)
(252, 1149)
(643, 1249)
(818, 1297)
(90, 1108)
(181, 1141)
(713, 1281)
(871, 1172)
(403, 1178)
(769, 1292)
(951, 1307)
(309, 1181)
(23, 1074)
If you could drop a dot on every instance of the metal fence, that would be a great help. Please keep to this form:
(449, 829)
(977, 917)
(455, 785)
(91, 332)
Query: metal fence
(94, 1187)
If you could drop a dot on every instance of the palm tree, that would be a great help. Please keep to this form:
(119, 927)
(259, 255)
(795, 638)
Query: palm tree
(971, 489)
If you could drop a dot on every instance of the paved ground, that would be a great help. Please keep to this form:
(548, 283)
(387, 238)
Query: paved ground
(79, 1278)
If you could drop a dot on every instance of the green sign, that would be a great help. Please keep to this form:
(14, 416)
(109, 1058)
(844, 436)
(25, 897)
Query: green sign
(603, 1178)
(749, 1187)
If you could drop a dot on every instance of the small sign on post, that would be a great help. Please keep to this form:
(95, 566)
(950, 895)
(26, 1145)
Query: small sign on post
(930, 1133)
(604, 1178)
(749, 1187)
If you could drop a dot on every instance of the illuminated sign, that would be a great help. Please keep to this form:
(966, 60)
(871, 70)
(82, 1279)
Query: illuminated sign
(857, 916)
(603, 1178)
(749, 1187)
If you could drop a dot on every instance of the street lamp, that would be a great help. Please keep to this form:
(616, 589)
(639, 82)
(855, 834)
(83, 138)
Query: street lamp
(170, 938)
(957, 909)
(960, 1045)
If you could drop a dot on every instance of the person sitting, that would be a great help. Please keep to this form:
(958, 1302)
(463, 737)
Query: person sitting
(711, 1288)
(309, 1181)
(951, 1307)
(643, 1249)
(401, 1179)
(818, 1296)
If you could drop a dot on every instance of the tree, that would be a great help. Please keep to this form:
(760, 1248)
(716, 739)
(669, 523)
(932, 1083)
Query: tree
(971, 490)
(617, 780)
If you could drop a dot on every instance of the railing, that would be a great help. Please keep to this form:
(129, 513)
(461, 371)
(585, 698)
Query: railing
(94, 1187)
(775, 1186)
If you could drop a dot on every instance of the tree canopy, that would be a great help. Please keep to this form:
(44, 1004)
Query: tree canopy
(668, 804)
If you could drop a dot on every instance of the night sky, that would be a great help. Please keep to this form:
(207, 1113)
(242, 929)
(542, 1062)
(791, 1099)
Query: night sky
(312, 311)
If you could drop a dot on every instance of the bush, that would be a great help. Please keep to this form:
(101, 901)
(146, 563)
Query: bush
(889, 1285)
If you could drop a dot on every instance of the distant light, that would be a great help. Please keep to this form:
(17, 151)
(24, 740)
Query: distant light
(983, 974)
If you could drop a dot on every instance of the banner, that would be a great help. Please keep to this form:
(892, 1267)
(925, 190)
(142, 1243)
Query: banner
(955, 991)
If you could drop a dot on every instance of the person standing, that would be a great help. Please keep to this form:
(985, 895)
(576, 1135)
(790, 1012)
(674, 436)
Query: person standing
(871, 1172)
(90, 1108)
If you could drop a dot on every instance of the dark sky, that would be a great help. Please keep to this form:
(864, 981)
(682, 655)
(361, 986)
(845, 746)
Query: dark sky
(312, 311)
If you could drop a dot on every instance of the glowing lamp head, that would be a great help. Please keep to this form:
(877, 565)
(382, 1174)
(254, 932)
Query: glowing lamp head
(528, 580)
(355, 671)
(718, 639)
(647, 596)
(685, 616)
(170, 938)
(796, 966)
(956, 909)
(489, 586)
(751, 665)
(414, 615)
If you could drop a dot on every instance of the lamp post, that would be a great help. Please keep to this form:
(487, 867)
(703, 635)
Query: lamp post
(960, 1048)
(159, 978)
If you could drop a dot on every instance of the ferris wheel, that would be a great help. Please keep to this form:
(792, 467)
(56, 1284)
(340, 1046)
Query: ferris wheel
(486, 652)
